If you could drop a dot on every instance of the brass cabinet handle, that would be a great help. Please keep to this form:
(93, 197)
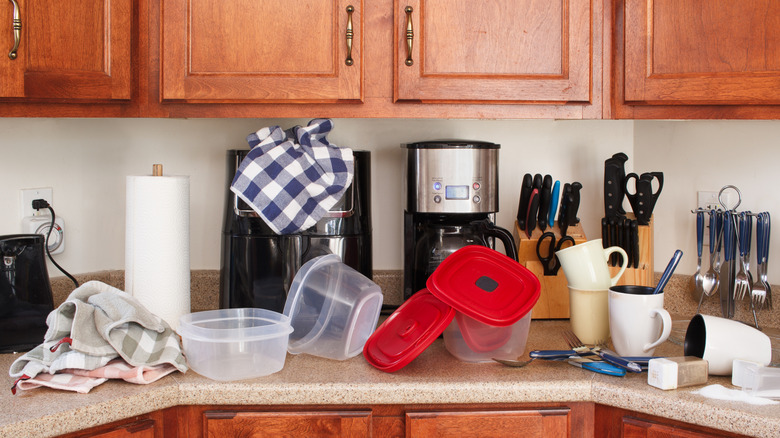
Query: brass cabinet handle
(17, 30)
(409, 35)
(350, 34)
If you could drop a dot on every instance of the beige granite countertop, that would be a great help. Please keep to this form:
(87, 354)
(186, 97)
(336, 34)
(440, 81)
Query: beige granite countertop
(434, 377)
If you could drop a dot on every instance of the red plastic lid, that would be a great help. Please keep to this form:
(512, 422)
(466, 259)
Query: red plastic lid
(485, 285)
(407, 332)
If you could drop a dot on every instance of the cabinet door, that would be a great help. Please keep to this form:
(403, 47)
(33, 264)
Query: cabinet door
(718, 52)
(638, 428)
(552, 422)
(262, 50)
(74, 50)
(290, 424)
(510, 51)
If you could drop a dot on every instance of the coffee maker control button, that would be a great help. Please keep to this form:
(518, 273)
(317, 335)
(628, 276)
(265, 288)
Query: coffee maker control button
(476, 186)
(437, 186)
(437, 199)
(477, 199)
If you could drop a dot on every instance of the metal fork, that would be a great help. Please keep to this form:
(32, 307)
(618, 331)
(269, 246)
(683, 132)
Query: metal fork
(765, 258)
(758, 292)
(603, 352)
(741, 281)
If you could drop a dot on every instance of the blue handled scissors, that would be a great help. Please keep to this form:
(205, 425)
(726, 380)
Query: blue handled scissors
(550, 263)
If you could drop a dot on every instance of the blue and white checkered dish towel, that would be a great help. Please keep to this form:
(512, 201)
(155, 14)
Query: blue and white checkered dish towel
(292, 178)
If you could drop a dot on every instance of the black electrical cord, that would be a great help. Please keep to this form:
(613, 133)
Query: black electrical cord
(41, 203)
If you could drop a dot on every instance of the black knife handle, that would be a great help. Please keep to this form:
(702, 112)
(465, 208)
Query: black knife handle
(544, 202)
(635, 242)
(525, 195)
(571, 212)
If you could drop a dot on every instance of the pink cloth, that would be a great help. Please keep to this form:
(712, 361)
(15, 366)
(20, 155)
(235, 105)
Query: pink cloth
(83, 381)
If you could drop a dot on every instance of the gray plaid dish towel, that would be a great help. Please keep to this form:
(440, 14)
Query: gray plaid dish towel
(98, 323)
(292, 178)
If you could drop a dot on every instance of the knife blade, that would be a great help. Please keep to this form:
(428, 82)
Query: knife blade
(544, 202)
(533, 207)
(556, 192)
(525, 194)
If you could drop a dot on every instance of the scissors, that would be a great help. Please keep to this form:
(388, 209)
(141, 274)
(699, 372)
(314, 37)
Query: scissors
(643, 198)
(548, 259)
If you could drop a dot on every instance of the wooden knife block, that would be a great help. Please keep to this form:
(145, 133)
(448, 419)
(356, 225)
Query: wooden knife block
(643, 274)
(554, 297)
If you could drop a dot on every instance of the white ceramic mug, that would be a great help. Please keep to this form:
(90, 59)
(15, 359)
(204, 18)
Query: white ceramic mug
(585, 265)
(589, 314)
(638, 321)
(719, 341)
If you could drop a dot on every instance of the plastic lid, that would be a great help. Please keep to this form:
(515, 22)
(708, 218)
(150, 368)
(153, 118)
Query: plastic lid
(485, 285)
(407, 332)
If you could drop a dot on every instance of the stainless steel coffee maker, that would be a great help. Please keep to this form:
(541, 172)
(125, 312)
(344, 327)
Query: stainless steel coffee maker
(258, 265)
(25, 292)
(451, 201)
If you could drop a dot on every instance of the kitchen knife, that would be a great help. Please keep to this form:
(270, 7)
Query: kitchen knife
(613, 259)
(525, 195)
(538, 180)
(544, 202)
(556, 192)
(615, 359)
(574, 206)
(605, 232)
(726, 286)
(614, 174)
(563, 224)
(620, 230)
(533, 207)
(635, 242)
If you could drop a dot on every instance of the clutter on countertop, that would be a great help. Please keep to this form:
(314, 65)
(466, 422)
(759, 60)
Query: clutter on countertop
(292, 178)
(95, 325)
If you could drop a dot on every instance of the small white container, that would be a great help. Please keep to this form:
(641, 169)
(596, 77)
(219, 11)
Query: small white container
(483, 342)
(333, 309)
(235, 344)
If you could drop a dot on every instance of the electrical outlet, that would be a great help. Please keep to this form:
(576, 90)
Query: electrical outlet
(708, 200)
(28, 195)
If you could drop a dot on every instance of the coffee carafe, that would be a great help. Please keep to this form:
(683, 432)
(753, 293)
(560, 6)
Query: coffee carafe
(451, 200)
(25, 292)
(442, 235)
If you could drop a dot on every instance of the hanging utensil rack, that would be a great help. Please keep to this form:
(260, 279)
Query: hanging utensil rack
(733, 236)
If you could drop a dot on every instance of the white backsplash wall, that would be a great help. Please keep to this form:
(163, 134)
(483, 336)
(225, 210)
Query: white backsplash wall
(86, 162)
(706, 156)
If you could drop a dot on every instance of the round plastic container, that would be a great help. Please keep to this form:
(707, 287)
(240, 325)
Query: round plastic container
(333, 309)
(235, 344)
(482, 342)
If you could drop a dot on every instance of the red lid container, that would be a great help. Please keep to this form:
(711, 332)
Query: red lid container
(407, 332)
(485, 285)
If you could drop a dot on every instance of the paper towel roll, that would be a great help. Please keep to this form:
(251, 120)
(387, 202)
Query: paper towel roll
(157, 244)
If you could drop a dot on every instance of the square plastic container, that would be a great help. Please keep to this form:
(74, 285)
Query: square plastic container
(235, 344)
(333, 309)
(482, 342)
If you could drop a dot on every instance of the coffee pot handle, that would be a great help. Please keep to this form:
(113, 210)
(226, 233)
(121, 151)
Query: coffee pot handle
(505, 237)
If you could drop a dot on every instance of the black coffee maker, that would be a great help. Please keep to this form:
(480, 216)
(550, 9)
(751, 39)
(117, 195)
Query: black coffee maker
(259, 265)
(25, 292)
(451, 201)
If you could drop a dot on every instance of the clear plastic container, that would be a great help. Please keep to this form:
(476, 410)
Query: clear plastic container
(235, 344)
(758, 380)
(482, 342)
(333, 309)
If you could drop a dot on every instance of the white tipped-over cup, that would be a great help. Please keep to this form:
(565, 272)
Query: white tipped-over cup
(719, 341)
(585, 265)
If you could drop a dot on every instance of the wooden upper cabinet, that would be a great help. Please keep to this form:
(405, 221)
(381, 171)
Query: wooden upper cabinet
(72, 50)
(262, 51)
(503, 51)
(701, 52)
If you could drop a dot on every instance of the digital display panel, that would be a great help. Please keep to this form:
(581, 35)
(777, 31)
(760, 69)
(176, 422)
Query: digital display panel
(456, 192)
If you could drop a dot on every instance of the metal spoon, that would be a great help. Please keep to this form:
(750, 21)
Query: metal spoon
(711, 280)
(698, 277)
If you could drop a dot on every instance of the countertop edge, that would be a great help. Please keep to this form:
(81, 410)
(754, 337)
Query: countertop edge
(686, 407)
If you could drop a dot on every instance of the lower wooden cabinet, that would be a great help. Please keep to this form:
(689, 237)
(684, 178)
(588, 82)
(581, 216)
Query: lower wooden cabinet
(574, 419)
